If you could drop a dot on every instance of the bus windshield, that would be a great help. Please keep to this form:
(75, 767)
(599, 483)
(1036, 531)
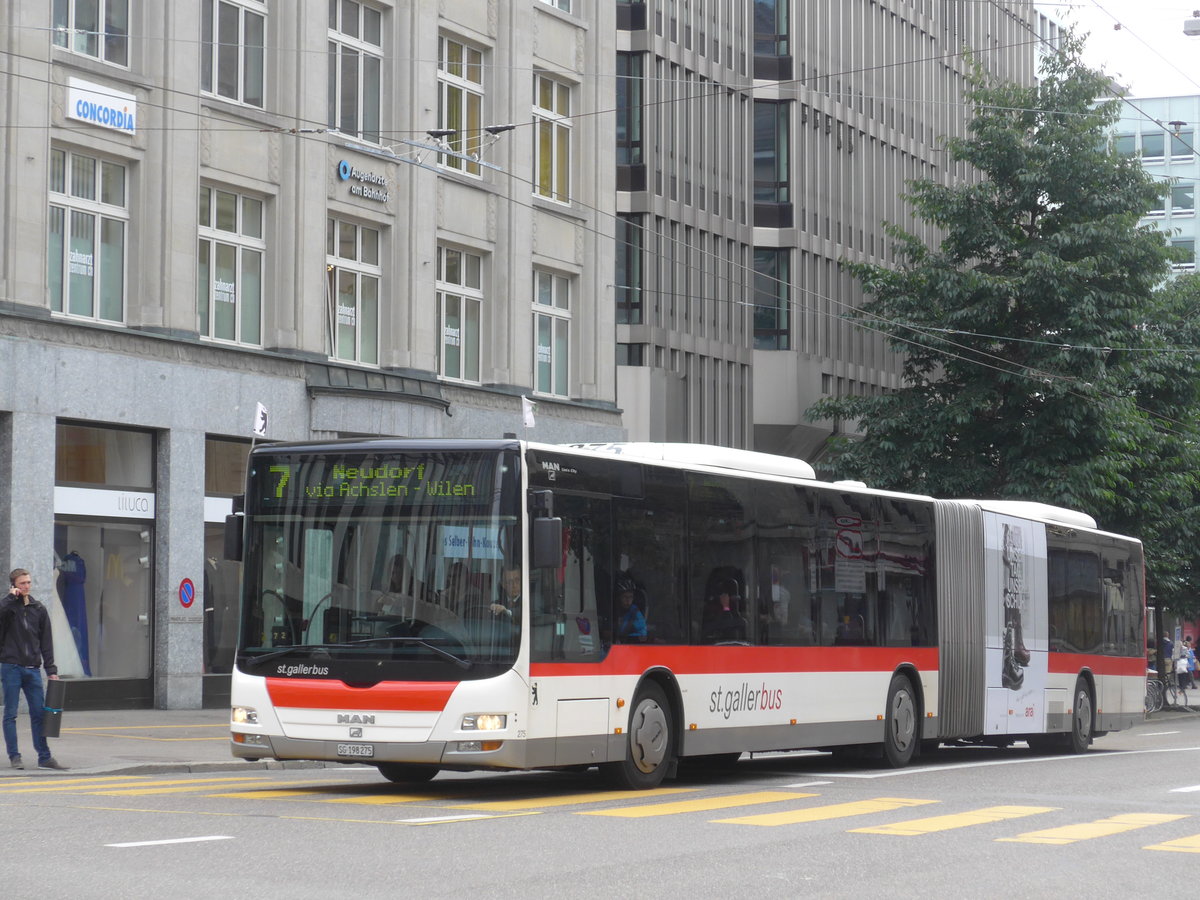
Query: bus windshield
(381, 564)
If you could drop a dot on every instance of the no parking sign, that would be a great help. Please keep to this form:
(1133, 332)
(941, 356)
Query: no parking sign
(187, 593)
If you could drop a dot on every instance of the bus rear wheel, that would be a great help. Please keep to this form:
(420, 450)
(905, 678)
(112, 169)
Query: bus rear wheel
(1080, 737)
(649, 745)
(406, 773)
(901, 730)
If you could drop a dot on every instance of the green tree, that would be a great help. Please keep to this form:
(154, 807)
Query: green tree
(1024, 331)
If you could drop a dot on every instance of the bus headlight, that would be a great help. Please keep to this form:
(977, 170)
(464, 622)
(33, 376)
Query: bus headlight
(244, 715)
(486, 722)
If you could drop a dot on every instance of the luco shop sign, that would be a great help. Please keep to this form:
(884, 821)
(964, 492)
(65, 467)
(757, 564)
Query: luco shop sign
(368, 185)
(101, 106)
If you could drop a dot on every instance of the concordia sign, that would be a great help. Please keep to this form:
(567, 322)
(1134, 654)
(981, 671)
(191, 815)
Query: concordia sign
(102, 106)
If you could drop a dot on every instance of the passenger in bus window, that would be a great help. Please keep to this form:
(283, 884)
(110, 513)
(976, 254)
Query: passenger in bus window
(723, 620)
(631, 622)
(403, 587)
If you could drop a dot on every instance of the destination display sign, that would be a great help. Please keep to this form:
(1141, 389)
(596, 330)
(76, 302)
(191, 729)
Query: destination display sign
(418, 480)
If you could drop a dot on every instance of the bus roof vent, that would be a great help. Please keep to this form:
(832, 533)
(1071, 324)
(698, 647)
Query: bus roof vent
(1044, 512)
(708, 455)
(850, 483)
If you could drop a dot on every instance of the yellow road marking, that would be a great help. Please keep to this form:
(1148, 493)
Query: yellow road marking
(175, 787)
(821, 813)
(1182, 845)
(698, 805)
(118, 732)
(383, 799)
(572, 799)
(956, 820)
(249, 792)
(63, 784)
(1069, 834)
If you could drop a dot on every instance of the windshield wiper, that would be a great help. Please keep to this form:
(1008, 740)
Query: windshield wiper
(445, 654)
(284, 651)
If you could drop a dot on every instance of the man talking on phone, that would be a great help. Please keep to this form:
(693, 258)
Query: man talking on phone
(25, 648)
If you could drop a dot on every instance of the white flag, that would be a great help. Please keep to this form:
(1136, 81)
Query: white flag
(260, 420)
(527, 407)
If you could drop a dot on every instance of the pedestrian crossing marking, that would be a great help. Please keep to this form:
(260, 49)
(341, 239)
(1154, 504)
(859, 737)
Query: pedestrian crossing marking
(700, 804)
(173, 787)
(821, 813)
(1182, 845)
(1069, 834)
(572, 799)
(956, 820)
(64, 784)
(383, 799)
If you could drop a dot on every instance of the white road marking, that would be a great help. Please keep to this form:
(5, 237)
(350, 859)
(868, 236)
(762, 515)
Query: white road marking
(1158, 733)
(1186, 790)
(807, 784)
(891, 773)
(191, 840)
(430, 820)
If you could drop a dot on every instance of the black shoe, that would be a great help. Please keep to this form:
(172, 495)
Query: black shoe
(50, 763)
(15, 762)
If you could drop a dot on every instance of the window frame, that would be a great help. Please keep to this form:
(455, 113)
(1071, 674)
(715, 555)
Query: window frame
(552, 139)
(243, 243)
(468, 293)
(340, 45)
(552, 310)
(62, 29)
(213, 50)
(101, 213)
(468, 123)
(363, 271)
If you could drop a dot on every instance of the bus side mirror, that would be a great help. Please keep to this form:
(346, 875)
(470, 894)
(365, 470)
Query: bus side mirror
(233, 537)
(547, 544)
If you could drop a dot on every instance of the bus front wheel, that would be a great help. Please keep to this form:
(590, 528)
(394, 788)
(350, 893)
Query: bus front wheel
(649, 745)
(900, 727)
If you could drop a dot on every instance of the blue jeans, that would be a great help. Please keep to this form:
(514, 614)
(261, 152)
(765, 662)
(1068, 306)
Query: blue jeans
(16, 679)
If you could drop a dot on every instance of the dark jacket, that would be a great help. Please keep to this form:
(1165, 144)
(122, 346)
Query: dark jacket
(25, 634)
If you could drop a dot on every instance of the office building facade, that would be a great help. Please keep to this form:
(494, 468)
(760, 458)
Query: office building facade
(758, 146)
(312, 217)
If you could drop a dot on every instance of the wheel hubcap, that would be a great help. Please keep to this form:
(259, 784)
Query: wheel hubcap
(1083, 714)
(904, 720)
(648, 736)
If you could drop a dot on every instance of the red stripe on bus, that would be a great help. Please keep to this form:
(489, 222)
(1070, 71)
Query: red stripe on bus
(1069, 663)
(633, 659)
(305, 693)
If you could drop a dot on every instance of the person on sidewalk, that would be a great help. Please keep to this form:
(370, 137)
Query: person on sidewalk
(25, 648)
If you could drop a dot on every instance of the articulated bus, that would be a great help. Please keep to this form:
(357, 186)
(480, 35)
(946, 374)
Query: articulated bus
(424, 605)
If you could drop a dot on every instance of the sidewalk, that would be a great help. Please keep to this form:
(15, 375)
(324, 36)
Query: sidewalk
(136, 741)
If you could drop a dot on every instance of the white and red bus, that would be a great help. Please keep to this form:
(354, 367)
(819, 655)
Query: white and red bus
(455, 605)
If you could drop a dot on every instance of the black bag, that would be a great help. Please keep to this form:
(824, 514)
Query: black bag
(56, 695)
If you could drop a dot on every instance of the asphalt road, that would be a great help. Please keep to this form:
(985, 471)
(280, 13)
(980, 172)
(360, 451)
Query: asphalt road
(1120, 821)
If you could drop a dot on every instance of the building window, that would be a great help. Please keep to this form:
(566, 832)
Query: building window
(770, 152)
(772, 283)
(352, 266)
(355, 55)
(1152, 145)
(229, 291)
(552, 333)
(1183, 199)
(631, 355)
(552, 143)
(771, 28)
(1125, 144)
(1185, 249)
(460, 304)
(629, 109)
(460, 102)
(1182, 144)
(231, 59)
(629, 270)
(564, 5)
(88, 219)
(98, 28)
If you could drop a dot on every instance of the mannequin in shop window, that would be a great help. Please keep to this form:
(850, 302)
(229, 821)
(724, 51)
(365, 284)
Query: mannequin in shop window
(66, 649)
(72, 575)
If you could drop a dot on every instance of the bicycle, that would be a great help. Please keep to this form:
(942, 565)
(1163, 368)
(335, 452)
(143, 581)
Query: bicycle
(1154, 695)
